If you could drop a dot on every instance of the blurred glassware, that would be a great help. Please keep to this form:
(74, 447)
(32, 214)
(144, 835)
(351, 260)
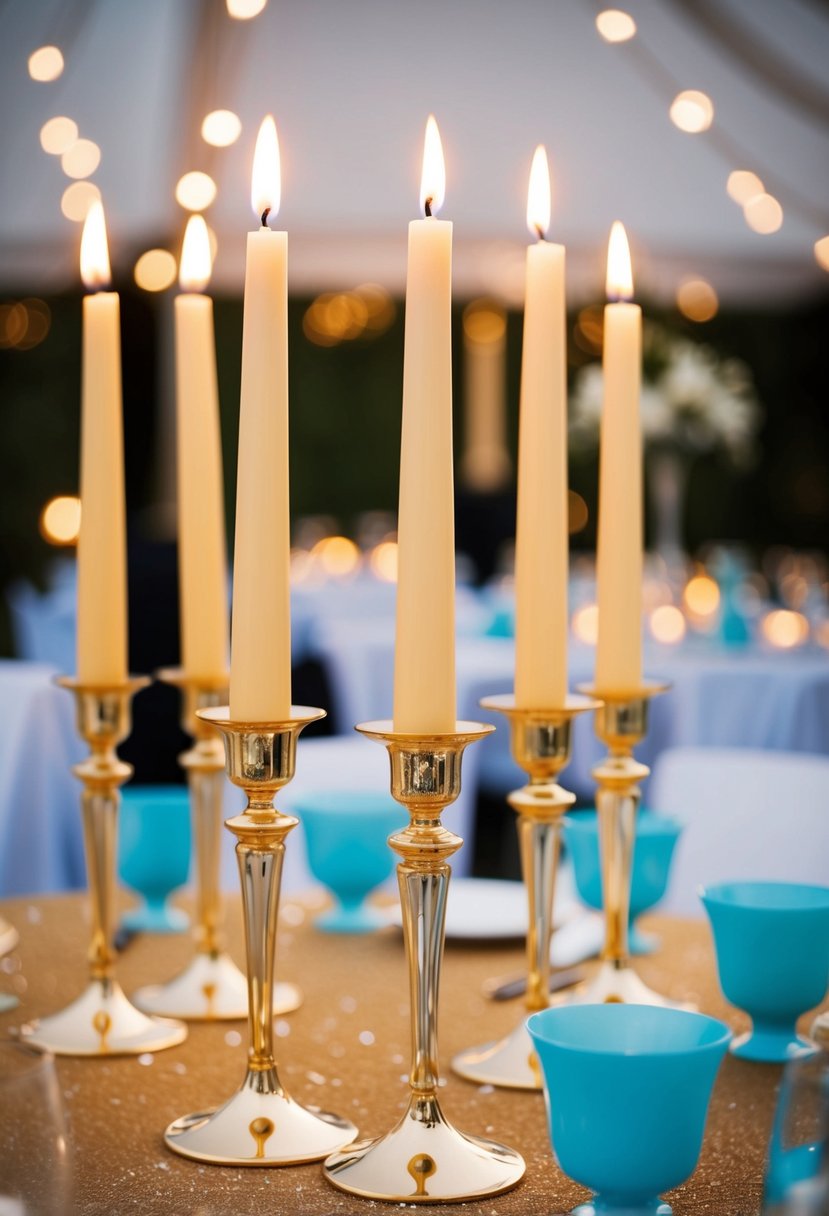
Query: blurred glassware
(797, 1176)
(35, 1155)
(154, 855)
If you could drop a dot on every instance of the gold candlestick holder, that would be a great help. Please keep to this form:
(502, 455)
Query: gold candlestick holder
(424, 1159)
(211, 987)
(621, 723)
(102, 1022)
(261, 1124)
(541, 744)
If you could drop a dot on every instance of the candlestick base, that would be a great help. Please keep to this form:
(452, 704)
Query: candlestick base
(259, 1125)
(424, 1159)
(211, 989)
(102, 1022)
(612, 985)
(510, 1063)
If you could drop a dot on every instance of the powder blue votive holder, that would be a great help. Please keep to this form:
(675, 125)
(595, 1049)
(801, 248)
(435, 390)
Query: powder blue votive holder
(154, 855)
(627, 1089)
(772, 942)
(345, 837)
(653, 849)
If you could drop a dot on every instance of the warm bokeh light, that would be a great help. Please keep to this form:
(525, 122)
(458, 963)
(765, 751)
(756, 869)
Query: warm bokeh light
(81, 159)
(667, 625)
(822, 252)
(697, 300)
(58, 135)
(701, 596)
(95, 270)
(619, 270)
(302, 565)
(484, 322)
(45, 64)
(243, 10)
(60, 520)
(221, 128)
(343, 316)
(379, 305)
(155, 270)
(433, 177)
(195, 190)
(383, 561)
(763, 214)
(24, 325)
(692, 111)
(585, 624)
(785, 629)
(588, 332)
(196, 261)
(77, 199)
(538, 194)
(615, 25)
(337, 556)
(266, 178)
(743, 185)
(577, 513)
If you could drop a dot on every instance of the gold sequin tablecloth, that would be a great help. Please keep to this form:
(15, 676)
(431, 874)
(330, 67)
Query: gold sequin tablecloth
(346, 1049)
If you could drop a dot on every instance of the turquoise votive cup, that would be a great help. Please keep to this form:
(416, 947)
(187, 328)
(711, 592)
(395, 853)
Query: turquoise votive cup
(154, 854)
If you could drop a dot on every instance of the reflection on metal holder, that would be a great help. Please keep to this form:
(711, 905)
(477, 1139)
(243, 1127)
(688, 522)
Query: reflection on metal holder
(102, 1022)
(424, 1159)
(621, 723)
(541, 746)
(211, 987)
(261, 1124)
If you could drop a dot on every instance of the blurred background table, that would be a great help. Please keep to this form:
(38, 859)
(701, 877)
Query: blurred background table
(345, 1050)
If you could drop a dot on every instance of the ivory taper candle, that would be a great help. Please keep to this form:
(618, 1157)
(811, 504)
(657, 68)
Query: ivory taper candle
(619, 557)
(424, 665)
(486, 466)
(102, 568)
(202, 560)
(260, 663)
(541, 532)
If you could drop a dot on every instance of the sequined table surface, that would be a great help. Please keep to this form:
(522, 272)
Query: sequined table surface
(346, 1050)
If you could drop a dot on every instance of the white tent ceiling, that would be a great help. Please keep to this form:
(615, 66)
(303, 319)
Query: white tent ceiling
(351, 83)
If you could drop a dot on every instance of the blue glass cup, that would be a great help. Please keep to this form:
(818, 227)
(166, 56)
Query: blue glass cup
(627, 1089)
(154, 855)
(345, 837)
(653, 850)
(772, 943)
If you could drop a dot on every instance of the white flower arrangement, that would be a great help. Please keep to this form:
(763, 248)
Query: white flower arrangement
(692, 399)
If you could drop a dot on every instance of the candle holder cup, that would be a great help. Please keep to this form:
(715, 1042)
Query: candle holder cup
(260, 1124)
(211, 987)
(541, 746)
(102, 1021)
(424, 1159)
(621, 723)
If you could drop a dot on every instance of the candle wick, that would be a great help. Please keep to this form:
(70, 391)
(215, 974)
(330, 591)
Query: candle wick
(265, 215)
(427, 206)
(540, 233)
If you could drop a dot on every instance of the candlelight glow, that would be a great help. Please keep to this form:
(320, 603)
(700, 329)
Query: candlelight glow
(743, 186)
(196, 264)
(484, 322)
(81, 159)
(195, 191)
(383, 561)
(60, 520)
(538, 195)
(266, 179)
(586, 624)
(701, 596)
(433, 178)
(155, 270)
(77, 199)
(221, 128)
(667, 625)
(615, 25)
(95, 270)
(822, 252)
(337, 555)
(785, 629)
(619, 270)
(697, 300)
(243, 10)
(58, 135)
(45, 64)
(692, 111)
(763, 214)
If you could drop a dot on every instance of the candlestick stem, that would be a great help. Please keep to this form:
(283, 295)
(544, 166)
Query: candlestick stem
(424, 1159)
(541, 744)
(102, 1021)
(261, 1124)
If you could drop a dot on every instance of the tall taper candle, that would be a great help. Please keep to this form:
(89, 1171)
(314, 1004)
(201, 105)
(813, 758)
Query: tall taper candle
(202, 560)
(260, 663)
(424, 668)
(541, 533)
(102, 569)
(619, 558)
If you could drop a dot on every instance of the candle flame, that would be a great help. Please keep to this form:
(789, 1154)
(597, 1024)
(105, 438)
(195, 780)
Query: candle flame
(95, 270)
(266, 185)
(538, 195)
(619, 271)
(433, 179)
(196, 263)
